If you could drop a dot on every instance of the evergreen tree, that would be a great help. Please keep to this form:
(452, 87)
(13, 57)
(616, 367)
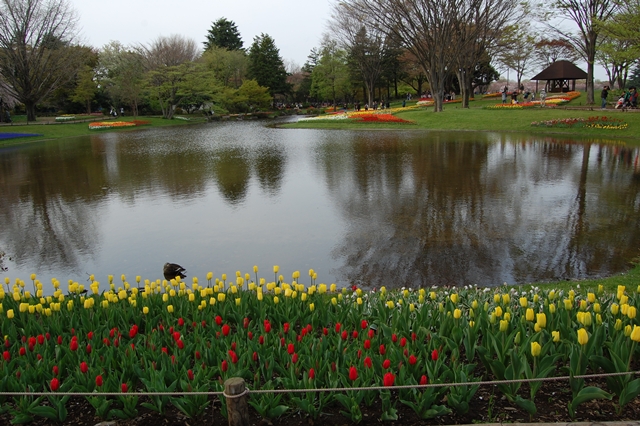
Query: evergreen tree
(224, 34)
(266, 65)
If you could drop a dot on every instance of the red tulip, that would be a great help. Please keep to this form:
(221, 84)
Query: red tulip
(176, 335)
(282, 342)
(294, 358)
(255, 357)
(47, 336)
(333, 366)
(59, 340)
(84, 367)
(198, 355)
(250, 335)
(203, 323)
(403, 342)
(165, 350)
(190, 374)
(89, 348)
(371, 333)
(55, 370)
(345, 335)
(367, 362)
(354, 334)
(225, 365)
(133, 331)
(388, 379)
(423, 380)
(325, 331)
(218, 320)
(180, 344)
(6, 355)
(364, 324)
(394, 338)
(40, 339)
(386, 364)
(286, 327)
(414, 336)
(226, 329)
(367, 344)
(233, 346)
(90, 335)
(245, 322)
(39, 357)
(434, 355)
(309, 328)
(233, 356)
(98, 380)
(180, 322)
(312, 374)
(353, 373)
(267, 326)
(261, 340)
(124, 388)
(112, 332)
(290, 349)
(55, 384)
(382, 350)
(73, 345)
(23, 351)
(6, 343)
(413, 360)
(359, 353)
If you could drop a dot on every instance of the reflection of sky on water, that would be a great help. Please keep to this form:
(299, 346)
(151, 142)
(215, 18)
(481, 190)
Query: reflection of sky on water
(374, 208)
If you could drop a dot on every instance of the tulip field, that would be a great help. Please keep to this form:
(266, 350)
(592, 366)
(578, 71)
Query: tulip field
(118, 340)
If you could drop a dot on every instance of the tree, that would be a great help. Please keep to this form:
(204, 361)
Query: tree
(169, 51)
(36, 52)
(436, 32)
(266, 65)
(223, 34)
(517, 44)
(229, 66)
(585, 14)
(547, 51)
(330, 76)
(121, 72)
(86, 87)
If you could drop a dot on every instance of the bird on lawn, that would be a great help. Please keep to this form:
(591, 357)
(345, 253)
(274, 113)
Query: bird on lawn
(172, 270)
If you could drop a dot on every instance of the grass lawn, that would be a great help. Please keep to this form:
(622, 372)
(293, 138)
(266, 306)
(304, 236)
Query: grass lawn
(49, 129)
(478, 118)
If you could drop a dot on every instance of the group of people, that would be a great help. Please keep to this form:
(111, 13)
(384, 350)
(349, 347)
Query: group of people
(628, 100)
(114, 112)
(527, 96)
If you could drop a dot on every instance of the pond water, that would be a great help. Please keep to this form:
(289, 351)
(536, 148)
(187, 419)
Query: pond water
(372, 208)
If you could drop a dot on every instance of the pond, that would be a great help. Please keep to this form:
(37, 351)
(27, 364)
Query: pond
(371, 208)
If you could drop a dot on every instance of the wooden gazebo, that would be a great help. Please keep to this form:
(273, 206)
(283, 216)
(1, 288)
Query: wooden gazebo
(561, 76)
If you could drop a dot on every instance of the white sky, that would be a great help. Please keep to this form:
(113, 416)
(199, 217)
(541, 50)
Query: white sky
(295, 25)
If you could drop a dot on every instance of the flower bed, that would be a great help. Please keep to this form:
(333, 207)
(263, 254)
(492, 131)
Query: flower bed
(378, 116)
(513, 106)
(596, 122)
(116, 124)
(175, 336)
(64, 118)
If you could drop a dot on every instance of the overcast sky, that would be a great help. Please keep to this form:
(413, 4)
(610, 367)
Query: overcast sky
(295, 25)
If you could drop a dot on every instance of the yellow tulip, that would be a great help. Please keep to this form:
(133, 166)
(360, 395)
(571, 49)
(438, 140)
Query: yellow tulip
(631, 312)
(618, 324)
(390, 304)
(432, 295)
(10, 314)
(568, 304)
(496, 298)
(552, 295)
(556, 336)
(523, 302)
(591, 297)
(221, 297)
(276, 268)
(333, 288)
(412, 307)
(498, 311)
(627, 330)
(359, 300)
(209, 276)
(457, 313)
(507, 316)
(170, 309)
(583, 336)
(506, 298)
(238, 301)
(312, 307)
(596, 308)
(504, 325)
(334, 301)
(145, 310)
(583, 304)
(276, 300)
(541, 320)
(615, 308)
(535, 349)
(454, 298)
(530, 315)
(474, 305)
(635, 334)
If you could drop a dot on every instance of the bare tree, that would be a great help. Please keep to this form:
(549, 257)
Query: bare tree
(366, 44)
(170, 51)
(36, 52)
(585, 14)
(438, 32)
(547, 51)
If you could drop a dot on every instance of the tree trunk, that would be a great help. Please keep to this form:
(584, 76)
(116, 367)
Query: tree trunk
(31, 110)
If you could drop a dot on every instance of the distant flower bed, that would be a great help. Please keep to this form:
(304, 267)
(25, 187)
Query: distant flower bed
(514, 106)
(430, 101)
(64, 118)
(381, 118)
(590, 123)
(115, 124)
(492, 95)
(182, 118)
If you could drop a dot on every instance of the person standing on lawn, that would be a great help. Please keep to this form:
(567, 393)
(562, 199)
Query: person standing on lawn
(603, 96)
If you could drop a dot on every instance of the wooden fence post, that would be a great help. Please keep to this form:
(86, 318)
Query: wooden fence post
(236, 396)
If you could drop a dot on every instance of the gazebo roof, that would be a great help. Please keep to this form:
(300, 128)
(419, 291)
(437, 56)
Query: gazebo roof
(561, 70)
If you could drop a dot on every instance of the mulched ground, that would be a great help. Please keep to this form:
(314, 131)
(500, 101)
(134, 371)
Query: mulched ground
(488, 406)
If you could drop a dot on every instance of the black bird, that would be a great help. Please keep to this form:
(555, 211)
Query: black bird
(172, 270)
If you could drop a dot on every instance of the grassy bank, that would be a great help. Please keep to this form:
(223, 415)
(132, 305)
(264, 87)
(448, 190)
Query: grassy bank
(49, 129)
(479, 118)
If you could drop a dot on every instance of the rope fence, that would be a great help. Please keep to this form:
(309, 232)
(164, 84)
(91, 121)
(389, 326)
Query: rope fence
(304, 390)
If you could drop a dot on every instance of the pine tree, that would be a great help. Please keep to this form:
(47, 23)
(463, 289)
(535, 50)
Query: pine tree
(266, 65)
(224, 34)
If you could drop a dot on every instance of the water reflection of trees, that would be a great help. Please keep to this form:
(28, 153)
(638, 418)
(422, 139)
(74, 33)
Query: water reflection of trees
(52, 194)
(441, 211)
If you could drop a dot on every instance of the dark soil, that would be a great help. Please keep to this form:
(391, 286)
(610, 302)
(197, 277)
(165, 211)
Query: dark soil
(488, 406)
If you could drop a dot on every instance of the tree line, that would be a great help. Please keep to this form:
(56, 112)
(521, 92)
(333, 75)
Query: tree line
(374, 50)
